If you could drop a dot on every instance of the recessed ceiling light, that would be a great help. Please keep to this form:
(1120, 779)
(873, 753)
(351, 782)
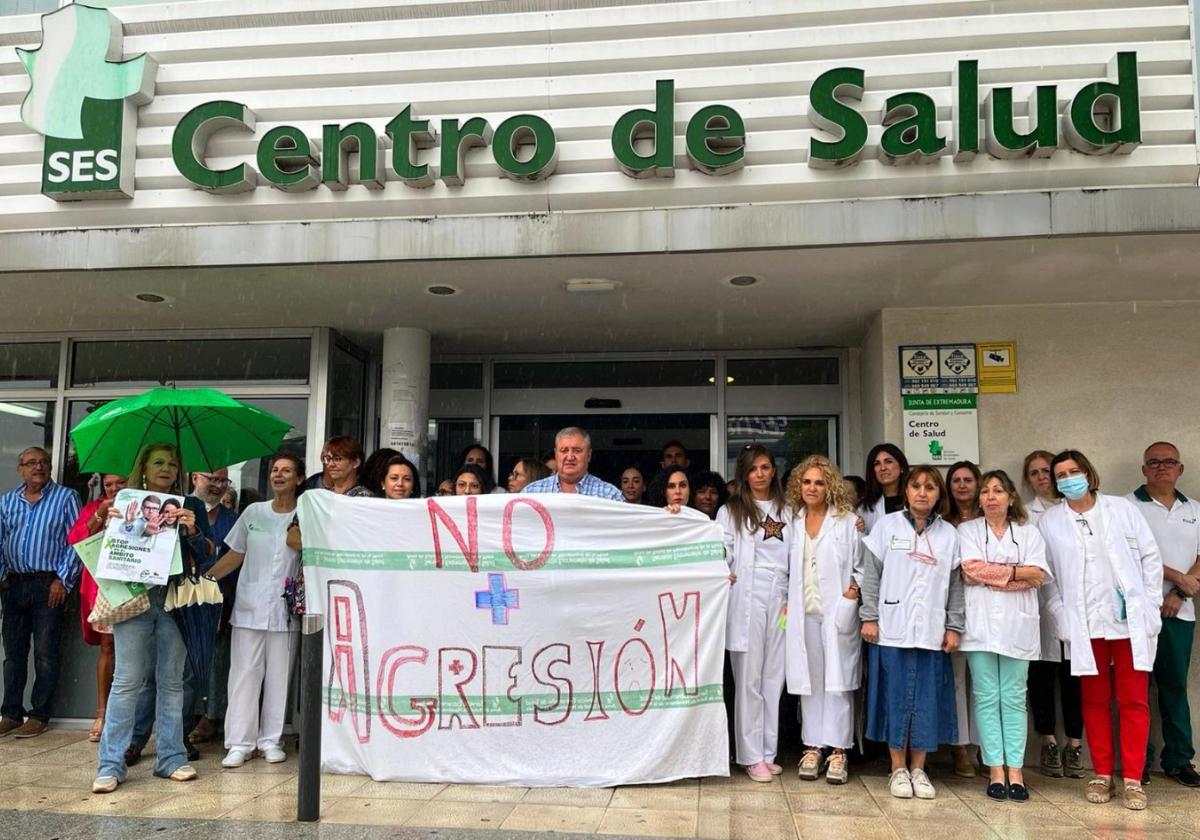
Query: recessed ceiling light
(742, 280)
(149, 297)
(441, 291)
(591, 286)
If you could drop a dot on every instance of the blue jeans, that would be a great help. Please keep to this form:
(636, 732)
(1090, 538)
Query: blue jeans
(153, 634)
(143, 723)
(27, 613)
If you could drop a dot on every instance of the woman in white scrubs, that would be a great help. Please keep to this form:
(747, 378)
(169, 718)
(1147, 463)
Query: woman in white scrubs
(758, 534)
(263, 639)
(887, 468)
(1054, 664)
(1109, 572)
(1003, 564)
(912, 616)
(824, 647)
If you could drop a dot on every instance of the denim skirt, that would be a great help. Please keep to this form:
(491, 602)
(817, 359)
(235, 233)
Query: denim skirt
(910, 698)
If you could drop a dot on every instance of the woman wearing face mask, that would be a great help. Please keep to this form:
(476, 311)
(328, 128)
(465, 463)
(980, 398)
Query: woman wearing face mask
(887, 469)
(758, 535)
(1003, 564)
(1054, 664)
(823, 643)
(1109, 574)
(912, 615)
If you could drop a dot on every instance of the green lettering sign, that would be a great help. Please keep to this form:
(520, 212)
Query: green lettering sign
(286, 159)
(966, 123)
(1117, 104)
(910, 129)
(408, 137)
(527, 130)
(1004, 141)
(827, 112)
(190, 140)
(658, 126)
(716, 140)
(456, 140)
(337, 144)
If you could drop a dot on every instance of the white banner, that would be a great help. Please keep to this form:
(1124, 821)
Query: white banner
(524, 640)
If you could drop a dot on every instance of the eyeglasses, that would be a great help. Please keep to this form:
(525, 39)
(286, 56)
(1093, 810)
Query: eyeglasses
(36, 462)
(333, 459)
(212, 479)
(1155, 463)
(1083, 524)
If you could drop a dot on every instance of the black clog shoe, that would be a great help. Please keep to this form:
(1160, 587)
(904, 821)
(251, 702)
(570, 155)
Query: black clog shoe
(995, 790)
(1018, 793)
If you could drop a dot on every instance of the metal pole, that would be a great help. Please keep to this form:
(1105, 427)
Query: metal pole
(312, 645)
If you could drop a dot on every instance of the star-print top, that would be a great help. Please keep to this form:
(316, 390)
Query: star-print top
(773, 537)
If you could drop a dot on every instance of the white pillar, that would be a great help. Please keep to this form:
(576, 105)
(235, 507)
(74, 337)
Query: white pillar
(404, 398)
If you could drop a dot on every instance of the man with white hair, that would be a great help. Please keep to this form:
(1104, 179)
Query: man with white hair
(573, 453)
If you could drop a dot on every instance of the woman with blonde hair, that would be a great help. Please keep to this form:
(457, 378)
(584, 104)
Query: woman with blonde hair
(153, 637)
(823, 647)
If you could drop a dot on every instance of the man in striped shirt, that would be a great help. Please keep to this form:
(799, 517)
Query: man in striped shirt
(37, 569)
(573, 452)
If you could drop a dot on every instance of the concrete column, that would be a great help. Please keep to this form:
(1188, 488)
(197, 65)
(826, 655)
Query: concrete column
(404, 398)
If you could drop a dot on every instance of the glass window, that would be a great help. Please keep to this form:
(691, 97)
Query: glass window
(571, 374)
(803, 371)
(790, 438)
(29, 365)
(276, 361)
(249, 478)
(347, 394)
(22, 424)
(445, 376)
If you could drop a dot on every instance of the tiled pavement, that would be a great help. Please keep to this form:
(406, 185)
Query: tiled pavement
(52, 774)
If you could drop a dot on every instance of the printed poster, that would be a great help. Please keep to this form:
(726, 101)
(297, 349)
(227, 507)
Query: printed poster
(141, 544)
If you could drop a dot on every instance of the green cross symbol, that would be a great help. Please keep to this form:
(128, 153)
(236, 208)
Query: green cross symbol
(935, 448)
(80, 58)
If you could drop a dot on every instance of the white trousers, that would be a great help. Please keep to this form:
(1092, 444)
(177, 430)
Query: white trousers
(968, 732)
(259, 661)
(758, 673)
(826, 717)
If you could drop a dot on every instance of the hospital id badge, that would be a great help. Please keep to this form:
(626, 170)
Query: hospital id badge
(901, 544)
(1119, 605)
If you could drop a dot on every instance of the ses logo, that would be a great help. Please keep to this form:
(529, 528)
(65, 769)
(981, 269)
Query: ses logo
(83, 98)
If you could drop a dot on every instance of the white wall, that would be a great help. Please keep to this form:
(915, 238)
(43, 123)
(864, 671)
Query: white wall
(1106, 379)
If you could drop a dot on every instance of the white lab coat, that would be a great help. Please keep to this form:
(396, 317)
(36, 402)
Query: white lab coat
(739, 553)
(872, 514)
(1137, 569)
(838, 553)
(1007, 623)
(912, 594)
(1052, 645)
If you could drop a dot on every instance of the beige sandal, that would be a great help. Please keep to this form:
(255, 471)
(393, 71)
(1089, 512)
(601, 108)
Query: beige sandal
(1099, 790)
(1135, 797)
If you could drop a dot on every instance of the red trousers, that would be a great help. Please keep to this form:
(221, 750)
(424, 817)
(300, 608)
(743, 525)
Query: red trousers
(1133, 708)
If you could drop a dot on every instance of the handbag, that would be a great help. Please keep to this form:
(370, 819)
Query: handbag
(105, 614)
(293, 593)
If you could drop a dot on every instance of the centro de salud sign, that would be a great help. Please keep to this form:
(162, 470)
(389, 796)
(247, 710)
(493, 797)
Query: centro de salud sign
(84, 95)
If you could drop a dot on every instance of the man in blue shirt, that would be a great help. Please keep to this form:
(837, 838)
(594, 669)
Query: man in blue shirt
(37, 569)
(573, 451)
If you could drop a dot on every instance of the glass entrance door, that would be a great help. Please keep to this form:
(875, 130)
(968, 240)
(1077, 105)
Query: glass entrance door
(618, 440)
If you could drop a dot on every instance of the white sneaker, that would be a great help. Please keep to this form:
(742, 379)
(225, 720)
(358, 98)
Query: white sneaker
(901, 784)
(274, 754)
(922, 787)
(234, 758)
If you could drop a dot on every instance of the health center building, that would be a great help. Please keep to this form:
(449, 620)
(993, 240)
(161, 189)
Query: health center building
(968, 227)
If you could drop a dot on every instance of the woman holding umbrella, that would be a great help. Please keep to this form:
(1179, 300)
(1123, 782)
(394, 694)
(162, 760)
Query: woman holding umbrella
(264, 637)
(153, 635)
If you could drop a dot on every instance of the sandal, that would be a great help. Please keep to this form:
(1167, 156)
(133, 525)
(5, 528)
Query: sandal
(97, 728)
(1099, 790)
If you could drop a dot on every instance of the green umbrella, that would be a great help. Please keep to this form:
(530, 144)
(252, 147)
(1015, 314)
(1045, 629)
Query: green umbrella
(210, 429)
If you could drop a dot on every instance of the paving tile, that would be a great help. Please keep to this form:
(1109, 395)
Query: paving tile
(860, 828)
(1141, 834)
(930, 829)
(77, 778)
(209, 805)
(655, 798)
(481, 793)
(271, 809)
(945, 808)
(119, 802)
(1114, 815)
(371, 811)
(231, 781)
(581, 797)
(1033, 814)
(645, 822)
(19, 774)
(1025, 832)
(332, 784)
(398, 790)
(737, 801)
(834, 803)
(530, 817)
(738, 778)
(768, 825)
(36, 798)
(452, 814)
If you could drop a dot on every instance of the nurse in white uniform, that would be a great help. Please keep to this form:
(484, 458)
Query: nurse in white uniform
(1109, 572)
(823, 643)
(758, 533)
(263, 638)
(1003, 564)
(912, 616)
(1054, 664)
(887, 468)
